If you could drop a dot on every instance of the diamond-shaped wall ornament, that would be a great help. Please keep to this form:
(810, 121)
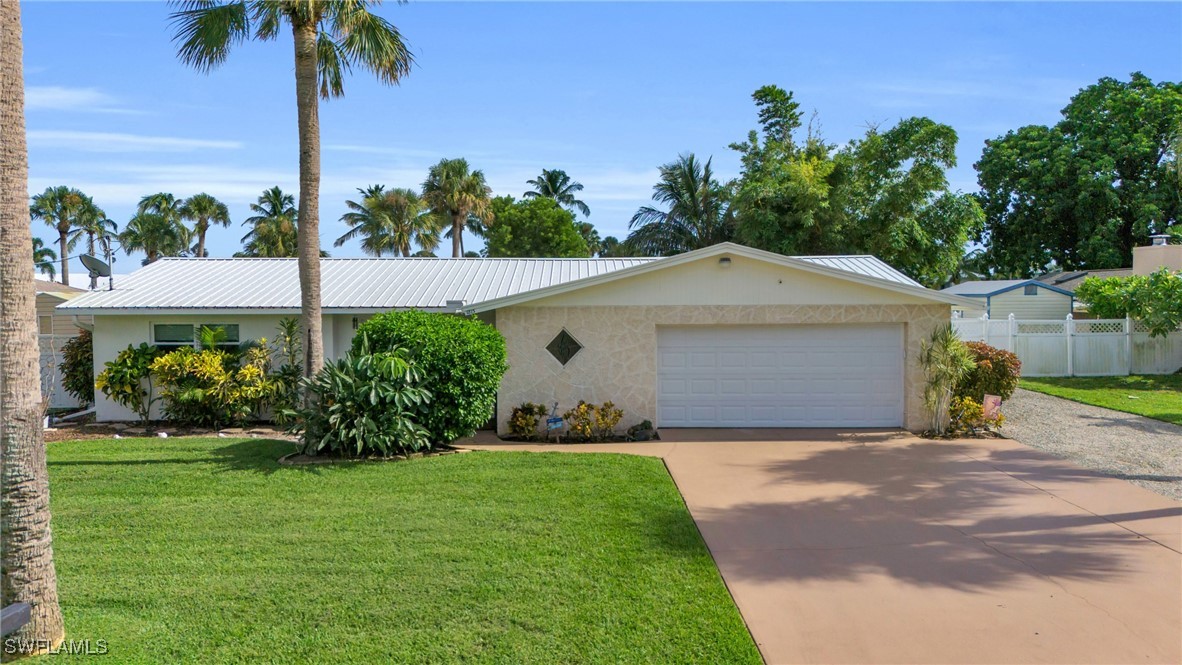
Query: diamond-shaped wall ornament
(563, 347)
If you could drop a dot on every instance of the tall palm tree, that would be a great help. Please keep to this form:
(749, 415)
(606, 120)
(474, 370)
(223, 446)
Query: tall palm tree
(98, 230)
(330, 37)
(591, 237)
(699, 213)
(455, 192)
(203, 210)
(389, 221)
(556, 184)
(59, 207)
(274, 226)
(43, 258)
(155, 235)
(26, 557)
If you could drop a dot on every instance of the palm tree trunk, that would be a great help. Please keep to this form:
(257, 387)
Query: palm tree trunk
(308, 236)
(90, 250)
(64, 249)
(26, 546)
(457, 240)
(200, 242)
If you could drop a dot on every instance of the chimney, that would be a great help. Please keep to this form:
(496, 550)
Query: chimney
(1157, 255)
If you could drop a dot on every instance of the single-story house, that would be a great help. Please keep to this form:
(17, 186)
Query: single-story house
(1024, 298)
(726, 336)
(54, 329)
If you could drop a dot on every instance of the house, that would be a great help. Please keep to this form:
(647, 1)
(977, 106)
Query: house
(54, 329)
(1069, 280)
(1024, 298)
(726, 336)
(1146, 259)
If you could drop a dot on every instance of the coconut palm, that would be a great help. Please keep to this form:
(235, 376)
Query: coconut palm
(274, 227)
(699, 213)
(43, 258)
(556, 184)
(591, 237)
(330, 38)
(27, 555)
(93, 225)
(154, 234)
(60, 207)
(203, 210)
(389, 221)
(455, 192)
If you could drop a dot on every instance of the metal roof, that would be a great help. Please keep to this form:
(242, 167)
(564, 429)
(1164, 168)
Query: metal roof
(986, 288)
(369, 284)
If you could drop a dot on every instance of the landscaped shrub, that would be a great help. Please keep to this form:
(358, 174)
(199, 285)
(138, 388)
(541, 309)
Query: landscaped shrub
(208, 387)
(287, 350)
(461, 360)
(588, 422)
(524, 420)
(995, 372)
(127, 380)
(945, 361)
(366, 404)
(967, 416)
(78, 367)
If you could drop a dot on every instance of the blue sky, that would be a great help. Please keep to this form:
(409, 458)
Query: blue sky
(606, 91)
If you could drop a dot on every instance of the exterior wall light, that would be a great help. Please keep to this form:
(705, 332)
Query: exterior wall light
(724, 262)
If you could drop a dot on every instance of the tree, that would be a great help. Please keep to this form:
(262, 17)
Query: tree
(590, 236)
(43, 258)
(155, 235)
(203, 210)
(556, 184)
(534, 228)
(457, 193)
(1155, 299)
(26, 540)
(330, 38)
(1086, 191)
(274, 228)
(698, 215)
(611, 247)
(389, 221)
(59, 207)
(92, 224)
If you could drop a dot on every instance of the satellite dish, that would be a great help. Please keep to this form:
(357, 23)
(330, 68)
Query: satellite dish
(97, 267)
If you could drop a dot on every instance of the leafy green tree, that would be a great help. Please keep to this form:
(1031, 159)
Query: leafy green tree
(1085, 192)
(43, 258)
(330, 37)
(93, 225)
(204, 210)
(155, 235)
(60, 208)
(698, 215)
(556, 184)
(590, 236)
(455, 192)
(1155, 299)
(535, 227)
(274, 227)
(389, 221)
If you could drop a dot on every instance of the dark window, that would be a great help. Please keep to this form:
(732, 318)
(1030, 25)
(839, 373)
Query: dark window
(173, 335)
(563, 347)
(1030, 290)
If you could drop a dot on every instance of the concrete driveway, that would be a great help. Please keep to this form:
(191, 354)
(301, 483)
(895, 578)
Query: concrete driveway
(886, 548)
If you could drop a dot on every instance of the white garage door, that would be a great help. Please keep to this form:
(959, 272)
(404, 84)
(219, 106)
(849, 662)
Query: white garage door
(780, 376)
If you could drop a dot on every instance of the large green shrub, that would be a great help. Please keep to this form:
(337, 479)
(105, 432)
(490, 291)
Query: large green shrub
(461, 360)
(127, 380)
(995, 372)
(1155, 299)
(366, 403)
(78, 367)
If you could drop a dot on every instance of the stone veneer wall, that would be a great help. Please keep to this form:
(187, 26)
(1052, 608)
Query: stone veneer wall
(618, 361)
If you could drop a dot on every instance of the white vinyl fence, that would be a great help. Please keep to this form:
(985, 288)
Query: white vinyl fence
(1088, 347)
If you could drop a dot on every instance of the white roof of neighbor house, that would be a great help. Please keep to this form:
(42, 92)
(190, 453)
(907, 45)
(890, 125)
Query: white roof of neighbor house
(367, 284)
(991, 287)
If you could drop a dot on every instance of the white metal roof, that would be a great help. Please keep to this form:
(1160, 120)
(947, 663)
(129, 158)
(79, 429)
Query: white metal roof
(861, 264)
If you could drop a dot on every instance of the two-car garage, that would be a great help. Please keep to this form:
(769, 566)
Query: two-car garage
(780, 376)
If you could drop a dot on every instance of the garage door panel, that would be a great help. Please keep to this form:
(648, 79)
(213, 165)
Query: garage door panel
(780, 376)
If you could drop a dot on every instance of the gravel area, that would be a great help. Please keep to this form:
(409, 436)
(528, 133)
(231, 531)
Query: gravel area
(1140, 450)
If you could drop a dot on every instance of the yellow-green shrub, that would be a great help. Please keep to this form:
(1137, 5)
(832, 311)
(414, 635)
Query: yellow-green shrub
(588, 422)
(208, 387)
(967, 416)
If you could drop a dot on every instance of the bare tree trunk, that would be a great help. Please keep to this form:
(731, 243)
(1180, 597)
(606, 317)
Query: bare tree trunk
(26, 547)
(63, 247)
(457, 233)
(308, 236)
(201, 243)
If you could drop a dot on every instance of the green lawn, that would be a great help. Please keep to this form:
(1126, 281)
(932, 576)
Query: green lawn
(1154, 396)
(205, 550)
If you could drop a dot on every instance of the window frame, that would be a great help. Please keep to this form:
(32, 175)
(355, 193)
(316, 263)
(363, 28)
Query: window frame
(232, 342)
(1030, 290)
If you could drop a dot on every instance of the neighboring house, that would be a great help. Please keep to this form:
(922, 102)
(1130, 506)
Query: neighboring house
(54, 329)
(1024, 298)
(1069, 280)
(726, 336)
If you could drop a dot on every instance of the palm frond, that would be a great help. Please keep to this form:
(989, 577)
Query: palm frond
(206, 30)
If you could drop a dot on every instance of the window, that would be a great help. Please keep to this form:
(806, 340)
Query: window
(173, 335)
(45, 325)
(1030, 290)
(563, 347)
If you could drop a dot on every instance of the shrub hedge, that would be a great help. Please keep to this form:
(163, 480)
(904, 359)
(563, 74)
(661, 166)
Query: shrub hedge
(995, 372)
(78, 367)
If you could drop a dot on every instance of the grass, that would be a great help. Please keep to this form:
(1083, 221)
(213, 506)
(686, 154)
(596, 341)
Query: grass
(206, 550)
(1153, 396)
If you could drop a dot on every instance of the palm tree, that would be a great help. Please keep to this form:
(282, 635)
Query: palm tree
(556, 184)
(699, 213)
(329, 37)
(43, 258)
(274, 228)
(460, 195)
(59, 207)
(27, 555)
(155, 235)
(591, 237)
(389, 221)
(98, 230)
(611, 247)
(203, 210)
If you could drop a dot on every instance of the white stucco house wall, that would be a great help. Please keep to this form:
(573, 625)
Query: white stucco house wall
(1024, 298)
(726, 336)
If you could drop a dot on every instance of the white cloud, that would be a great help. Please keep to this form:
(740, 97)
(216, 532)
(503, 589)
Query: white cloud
(61, 98)
(113, 142)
